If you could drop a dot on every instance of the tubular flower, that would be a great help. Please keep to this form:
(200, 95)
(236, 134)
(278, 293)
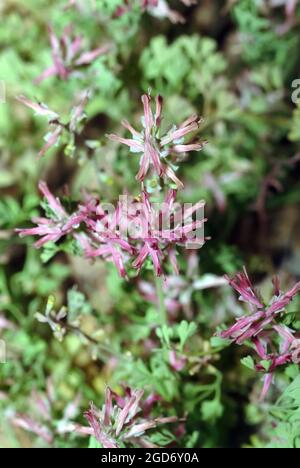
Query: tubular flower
(288, 352)
(68, 55)
(241, 283)
(102, 237)
(250, 326)
(160, 231)
(57, 226)
(263, 330)
(133, 229)
(124, 421)
(42, 415)
(56, 128)
(157, 151)
(137, 229)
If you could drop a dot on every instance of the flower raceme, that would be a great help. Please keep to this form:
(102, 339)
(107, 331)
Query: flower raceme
(288, 352)
(157, 151)
(136, 229)
(241, 283)
(56, 128)
(161, 227)
(68, 55)
(142, 229)
(59, 225)
(41, 418)
(124, 420)
(262, 328)
(250, 326)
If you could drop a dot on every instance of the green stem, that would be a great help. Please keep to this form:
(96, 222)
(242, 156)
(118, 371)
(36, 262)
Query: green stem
(161, 300)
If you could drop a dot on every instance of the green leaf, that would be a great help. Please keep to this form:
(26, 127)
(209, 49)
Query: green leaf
(266, 364)
(165, 334)
(211, 410)
(218, 342)
(77, 304)
(185, 330)
(248, 362)
(49, 251)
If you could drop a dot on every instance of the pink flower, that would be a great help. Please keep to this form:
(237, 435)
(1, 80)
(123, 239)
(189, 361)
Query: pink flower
(102, 237)
(30, 425)
(250, 326)
(270, 361)
(243, 286)
(281, 301)
(158, 240)
(245, 328)
(107, 245)
(124, 420)
(41, 419)
(262, 329)
(268, 380)
(59, 225)
(134, 229)
(290, 343)
(178, 363)
(39, 108)
(56, 127)
(68, 55)
(156, 150)
(295, 347)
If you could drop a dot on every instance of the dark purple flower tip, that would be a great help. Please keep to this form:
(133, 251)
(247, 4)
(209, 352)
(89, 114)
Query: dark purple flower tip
(242, 284)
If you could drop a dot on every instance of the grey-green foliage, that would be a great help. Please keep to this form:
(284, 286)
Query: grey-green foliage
(189, 66)
(260, 40)
(285, 432)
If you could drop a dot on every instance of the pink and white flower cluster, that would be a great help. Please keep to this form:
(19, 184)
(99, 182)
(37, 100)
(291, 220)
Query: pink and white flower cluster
(159, 152)
(275, 344)
(124, 420)
(57, 129)
(134, 229)
(40, 419)
(69, 55)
